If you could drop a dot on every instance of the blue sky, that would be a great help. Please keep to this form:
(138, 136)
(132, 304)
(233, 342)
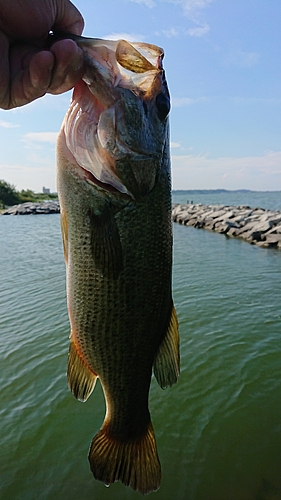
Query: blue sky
(223, 66)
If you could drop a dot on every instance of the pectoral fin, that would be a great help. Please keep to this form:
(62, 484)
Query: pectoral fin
(81, 379)
(167, 361)
(106, 244)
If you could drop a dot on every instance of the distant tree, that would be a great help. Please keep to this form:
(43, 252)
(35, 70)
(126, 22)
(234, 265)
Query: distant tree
(27, 195)
(8, 194)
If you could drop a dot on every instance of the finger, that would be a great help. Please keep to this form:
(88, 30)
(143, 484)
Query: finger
(69, 18)
(68, 68)
(31, 75)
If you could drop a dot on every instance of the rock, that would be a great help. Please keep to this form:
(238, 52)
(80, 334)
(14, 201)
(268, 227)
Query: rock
(232, 231)
(191, 222)
(273, 238)
(183, 217)
(263, 227)
(29, 208)
(275, 229)
(217, 214)
(255, 225)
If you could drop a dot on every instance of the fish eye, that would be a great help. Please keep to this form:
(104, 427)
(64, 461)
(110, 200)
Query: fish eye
(163, 106)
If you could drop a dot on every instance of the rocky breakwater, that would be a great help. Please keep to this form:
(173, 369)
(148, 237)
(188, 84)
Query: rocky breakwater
(255, 225)
(30, 208)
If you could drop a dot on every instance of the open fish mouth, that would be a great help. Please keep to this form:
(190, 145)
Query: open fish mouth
(109, 119)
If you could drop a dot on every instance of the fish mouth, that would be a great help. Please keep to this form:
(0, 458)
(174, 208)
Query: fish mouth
(115, 72)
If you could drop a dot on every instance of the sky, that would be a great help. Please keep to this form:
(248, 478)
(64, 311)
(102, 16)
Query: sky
(223, 67)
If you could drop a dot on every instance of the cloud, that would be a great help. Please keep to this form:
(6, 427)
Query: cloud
(170, 33)
(5, 124)
(178, 102)
(49, 137)
(175, 145)
(241, 58)
(148, 3)
(33, 176)
(250, 172)
(193, 10)
(130, 37)
(199, 30)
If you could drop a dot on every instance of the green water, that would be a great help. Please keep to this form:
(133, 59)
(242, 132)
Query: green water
(218, 430)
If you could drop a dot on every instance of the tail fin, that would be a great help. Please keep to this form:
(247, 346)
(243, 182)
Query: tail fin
(135, 463)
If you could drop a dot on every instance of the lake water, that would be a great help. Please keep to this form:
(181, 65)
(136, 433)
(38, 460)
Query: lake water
(218, 430)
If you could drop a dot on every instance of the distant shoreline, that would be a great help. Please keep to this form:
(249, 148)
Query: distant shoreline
(219, 191)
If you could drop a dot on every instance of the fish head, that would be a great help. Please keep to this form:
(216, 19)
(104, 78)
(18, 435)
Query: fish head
(116, 127)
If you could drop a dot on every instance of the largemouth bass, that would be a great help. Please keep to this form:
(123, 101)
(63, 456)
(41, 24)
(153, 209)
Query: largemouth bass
(113, 176)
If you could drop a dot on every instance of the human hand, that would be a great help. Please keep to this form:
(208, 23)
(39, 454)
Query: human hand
(28, 70)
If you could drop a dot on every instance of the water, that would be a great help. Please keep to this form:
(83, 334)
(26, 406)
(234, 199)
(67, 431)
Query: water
(218, 430)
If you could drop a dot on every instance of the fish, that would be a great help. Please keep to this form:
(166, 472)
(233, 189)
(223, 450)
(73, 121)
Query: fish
(114, 187)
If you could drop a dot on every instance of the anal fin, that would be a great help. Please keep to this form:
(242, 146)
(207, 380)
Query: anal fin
(81, 379)
(167, 360)
(134, 462)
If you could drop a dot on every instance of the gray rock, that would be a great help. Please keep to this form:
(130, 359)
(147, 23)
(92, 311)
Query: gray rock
(263, 227)
(273, 238)
(217, 214)
(29, 208)
(255, 225)
(191, 222)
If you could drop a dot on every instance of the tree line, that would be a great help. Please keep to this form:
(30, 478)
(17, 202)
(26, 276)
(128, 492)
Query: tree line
(10, 196)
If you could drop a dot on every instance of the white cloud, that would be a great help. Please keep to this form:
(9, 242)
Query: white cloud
(32, 177)
(199, 30)
(175, 145)
(193, 10)
(130, 37)
(5, 124)
(49, 137)
(148, 3)
(178, 102)
(170, 33)
(241, 58)
(250, 172)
